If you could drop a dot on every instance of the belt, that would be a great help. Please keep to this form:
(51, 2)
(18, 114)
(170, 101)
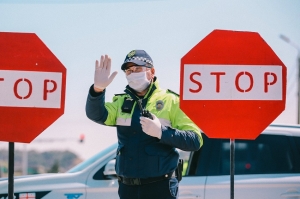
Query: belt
(141, 181)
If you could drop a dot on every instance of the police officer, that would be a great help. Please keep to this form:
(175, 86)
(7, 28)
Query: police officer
(146, 157)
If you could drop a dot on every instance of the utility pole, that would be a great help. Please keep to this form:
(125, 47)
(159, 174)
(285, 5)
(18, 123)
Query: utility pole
(286, 39)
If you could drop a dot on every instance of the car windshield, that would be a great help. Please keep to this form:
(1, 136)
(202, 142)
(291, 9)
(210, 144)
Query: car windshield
(91, 160)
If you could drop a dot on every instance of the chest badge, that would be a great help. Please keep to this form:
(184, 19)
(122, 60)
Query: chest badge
(159, 105)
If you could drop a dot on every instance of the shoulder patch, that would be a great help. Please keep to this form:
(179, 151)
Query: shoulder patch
(170, 91)
(118, 96)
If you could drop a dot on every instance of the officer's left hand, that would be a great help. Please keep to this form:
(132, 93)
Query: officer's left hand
(151, 127)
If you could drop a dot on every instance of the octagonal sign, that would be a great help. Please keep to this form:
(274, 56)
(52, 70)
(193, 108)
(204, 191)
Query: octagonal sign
(232, 84)
(32, 87)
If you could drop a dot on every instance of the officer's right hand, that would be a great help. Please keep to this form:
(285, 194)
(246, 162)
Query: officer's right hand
(102, 76)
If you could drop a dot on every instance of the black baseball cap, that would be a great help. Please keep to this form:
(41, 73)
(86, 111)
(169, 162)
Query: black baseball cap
(139, 57)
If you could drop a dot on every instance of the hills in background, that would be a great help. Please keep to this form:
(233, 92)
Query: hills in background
(39, 162)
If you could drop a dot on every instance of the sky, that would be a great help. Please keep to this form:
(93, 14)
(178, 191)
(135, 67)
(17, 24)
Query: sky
(79, 32)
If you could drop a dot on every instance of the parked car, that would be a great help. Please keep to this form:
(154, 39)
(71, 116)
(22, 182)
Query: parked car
(267, 167)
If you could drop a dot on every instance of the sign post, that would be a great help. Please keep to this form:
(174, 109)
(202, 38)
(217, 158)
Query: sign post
(32, 90)
(237, 83)
(11, 156)
(232, 153)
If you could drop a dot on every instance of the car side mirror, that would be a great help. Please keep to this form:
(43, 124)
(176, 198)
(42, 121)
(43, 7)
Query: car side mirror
(109, 170)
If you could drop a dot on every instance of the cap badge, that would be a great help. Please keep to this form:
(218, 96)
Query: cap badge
(131, 53)
(159, 105)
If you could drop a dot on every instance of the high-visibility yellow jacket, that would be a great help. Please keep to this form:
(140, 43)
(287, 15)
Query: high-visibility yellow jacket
(140, 155)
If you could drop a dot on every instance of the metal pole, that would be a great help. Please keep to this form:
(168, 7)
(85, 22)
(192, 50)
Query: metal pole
(11, 157)
(286, 39)
(24, 160)
(231, 168)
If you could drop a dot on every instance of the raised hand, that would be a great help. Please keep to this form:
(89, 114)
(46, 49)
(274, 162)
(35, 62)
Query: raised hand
(102, 76)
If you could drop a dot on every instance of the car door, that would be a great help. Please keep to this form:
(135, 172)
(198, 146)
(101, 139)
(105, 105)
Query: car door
(192, 185)
(100, 185)
(267, 167)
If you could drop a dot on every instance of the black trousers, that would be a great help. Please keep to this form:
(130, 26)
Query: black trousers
(164, 189)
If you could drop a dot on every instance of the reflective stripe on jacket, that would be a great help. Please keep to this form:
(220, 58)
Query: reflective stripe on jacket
(140, 155)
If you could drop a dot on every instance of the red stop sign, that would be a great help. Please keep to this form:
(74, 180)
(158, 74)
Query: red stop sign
(32, 87)
(232, 84)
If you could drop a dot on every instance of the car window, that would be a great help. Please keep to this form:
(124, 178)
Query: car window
(93, 159)
(198, 161)
(297, 140)
(268, 154)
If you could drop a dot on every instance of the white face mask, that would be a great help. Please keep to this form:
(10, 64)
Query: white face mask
(138, 81)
